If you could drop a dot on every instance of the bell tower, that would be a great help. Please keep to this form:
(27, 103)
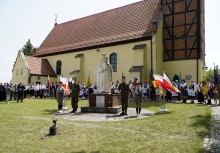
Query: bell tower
(183, 29)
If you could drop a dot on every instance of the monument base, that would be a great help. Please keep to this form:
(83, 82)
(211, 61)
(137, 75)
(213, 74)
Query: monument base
(110, 110)
(103, 103)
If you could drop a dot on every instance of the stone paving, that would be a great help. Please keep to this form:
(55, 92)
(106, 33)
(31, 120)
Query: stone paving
(103, 116)
(212, 141)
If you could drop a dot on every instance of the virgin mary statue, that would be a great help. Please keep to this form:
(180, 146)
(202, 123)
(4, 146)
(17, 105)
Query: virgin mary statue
(104, 75)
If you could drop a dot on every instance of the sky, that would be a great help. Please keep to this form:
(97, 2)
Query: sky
(34, 19)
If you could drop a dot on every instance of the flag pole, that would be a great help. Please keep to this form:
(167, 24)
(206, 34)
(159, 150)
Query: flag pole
(163, 101)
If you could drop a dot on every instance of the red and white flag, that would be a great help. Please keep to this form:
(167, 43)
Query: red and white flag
(167, 84)
(134, 80)
(48, 81)
(64, 82)
(158, 80)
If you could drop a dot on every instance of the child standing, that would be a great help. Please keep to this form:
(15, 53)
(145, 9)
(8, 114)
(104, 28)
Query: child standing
(138, 98)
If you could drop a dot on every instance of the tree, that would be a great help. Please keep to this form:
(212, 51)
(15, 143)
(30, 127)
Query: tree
(28, 48)
(210, 74)
(175, 77)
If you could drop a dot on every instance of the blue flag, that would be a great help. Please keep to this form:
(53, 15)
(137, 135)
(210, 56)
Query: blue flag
(215, 77)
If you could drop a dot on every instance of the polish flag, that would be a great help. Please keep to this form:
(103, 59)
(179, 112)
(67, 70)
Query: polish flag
(158, 80)
(168, 84)
(65, 82)
(48, 81)
(134, 80)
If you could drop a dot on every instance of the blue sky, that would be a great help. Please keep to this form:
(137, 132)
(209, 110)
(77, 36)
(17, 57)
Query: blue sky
(34, 19)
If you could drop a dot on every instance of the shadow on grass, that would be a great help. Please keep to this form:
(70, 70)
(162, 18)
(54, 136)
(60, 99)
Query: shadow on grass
(85, 151)
(164, 113)
(113, 116)
(201, 150)
(202, 121)
(49, 111)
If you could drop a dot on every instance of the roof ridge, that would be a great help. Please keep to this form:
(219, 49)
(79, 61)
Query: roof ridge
(129, 22)
(99, 13)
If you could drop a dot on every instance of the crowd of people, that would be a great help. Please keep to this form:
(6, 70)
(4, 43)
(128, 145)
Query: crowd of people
(133, 90)
(188, 91)
(18, 92)
(203, 92)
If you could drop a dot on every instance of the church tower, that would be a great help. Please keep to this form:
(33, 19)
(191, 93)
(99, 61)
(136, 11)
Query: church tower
(184, 31)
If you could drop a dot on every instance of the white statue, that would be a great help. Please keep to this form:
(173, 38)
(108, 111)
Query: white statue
(104, 75)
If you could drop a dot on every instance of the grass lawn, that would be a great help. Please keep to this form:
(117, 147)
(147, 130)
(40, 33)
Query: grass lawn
(24, 128)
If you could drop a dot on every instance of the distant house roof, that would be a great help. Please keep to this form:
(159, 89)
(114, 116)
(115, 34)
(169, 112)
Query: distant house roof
(120, 25)
(39, 66)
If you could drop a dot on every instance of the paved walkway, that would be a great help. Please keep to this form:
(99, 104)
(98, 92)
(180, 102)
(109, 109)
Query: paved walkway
(212, 141)
(103, 116)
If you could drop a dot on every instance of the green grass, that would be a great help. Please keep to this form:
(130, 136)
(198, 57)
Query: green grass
(24, 128)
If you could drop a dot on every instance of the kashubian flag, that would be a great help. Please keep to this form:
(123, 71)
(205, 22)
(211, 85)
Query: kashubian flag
(89, 83)
(205, 88)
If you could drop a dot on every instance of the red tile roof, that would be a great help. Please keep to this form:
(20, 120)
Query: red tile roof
(39, 66)
(125, 23)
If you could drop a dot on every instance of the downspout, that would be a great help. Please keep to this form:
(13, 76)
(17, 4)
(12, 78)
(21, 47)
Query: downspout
(151, 55)
(198, 38)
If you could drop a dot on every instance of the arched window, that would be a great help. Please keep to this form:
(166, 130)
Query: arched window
(58, 67)
(113, 61)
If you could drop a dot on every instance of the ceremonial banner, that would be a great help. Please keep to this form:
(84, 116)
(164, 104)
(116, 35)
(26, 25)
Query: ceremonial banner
(89, 83)
(205, 88)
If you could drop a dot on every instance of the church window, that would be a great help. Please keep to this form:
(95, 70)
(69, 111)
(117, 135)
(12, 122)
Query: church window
(58, 67)
(113, 61)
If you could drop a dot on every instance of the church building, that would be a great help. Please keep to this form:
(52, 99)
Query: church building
(149, 36)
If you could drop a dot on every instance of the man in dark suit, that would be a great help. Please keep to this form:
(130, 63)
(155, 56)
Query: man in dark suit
(20, 89)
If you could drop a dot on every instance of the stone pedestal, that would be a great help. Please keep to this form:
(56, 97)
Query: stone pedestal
(103, 103)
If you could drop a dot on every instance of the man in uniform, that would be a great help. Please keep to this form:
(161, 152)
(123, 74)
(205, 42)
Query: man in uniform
(124, 91)
(75, 90)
